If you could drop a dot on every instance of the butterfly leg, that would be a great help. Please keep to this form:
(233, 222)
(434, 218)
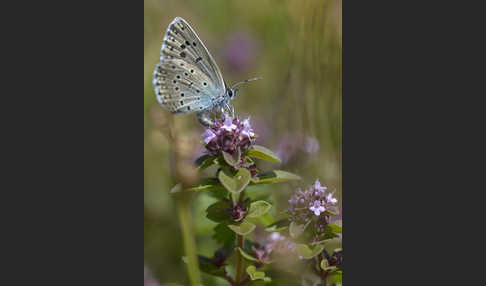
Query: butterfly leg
(230, 109)
(204, 118)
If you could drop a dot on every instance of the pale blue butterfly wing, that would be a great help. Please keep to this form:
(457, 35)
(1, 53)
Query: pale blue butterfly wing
(187, 78)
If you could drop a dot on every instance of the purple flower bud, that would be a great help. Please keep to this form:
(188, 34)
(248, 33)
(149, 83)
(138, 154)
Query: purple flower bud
(237, 212)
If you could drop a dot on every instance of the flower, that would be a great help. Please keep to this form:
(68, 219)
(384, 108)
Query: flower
(330, 199)
(228, 134)
(318, 187)
(228, 124)
(312, 205)
(247, 130)
(208, 135)
(317, 208)
(238, 211)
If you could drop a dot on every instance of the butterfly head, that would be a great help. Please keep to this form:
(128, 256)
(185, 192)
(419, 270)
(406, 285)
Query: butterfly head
(231, 92)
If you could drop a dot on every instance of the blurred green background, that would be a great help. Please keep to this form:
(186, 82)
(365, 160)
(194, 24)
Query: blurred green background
(295, 110)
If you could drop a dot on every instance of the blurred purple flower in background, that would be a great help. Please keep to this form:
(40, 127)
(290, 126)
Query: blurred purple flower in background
(311, 145)
(240, 51)
(281, 244)
(148, 278)
(291, 144)
(270, 245)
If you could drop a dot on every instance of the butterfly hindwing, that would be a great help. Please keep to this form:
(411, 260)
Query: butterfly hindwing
(177, 90)
(187, 79)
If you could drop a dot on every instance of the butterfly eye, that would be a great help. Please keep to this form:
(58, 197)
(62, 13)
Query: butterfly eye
(230, 93)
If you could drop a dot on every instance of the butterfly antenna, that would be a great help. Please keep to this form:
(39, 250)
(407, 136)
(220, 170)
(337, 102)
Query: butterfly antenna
(245, 81)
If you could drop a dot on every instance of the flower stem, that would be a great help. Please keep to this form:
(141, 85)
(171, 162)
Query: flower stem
(189, 241)
(187, 175)
(239, 260)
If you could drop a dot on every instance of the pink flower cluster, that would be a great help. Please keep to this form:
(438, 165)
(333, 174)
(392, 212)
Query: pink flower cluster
(312, 204)
(229, 134)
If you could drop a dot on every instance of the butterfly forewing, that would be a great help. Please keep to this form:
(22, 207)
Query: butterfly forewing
(187, 78)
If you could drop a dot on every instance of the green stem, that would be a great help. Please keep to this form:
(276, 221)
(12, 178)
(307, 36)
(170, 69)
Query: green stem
(185, 220)
(239, 264)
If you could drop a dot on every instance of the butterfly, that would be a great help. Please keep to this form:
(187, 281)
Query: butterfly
(187, 79)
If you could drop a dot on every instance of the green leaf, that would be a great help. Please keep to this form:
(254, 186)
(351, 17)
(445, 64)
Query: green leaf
(263, 153)
(304, 251)
(297, 229)
(223, 234)
(254, 274)
(324, 264)
(247, 256)
(335, 278)
(251, 258)
(332, 245)
(258, 208)
(232, 159)
(243, 228)
(330, 213)
(218, 193)
(205, 161)
(333, 228)
(276, 176)
(237, 183)
(265, 219)
(207, 184)
(217, 212)
(199, 161)
(206, 188)
(320, 242)
(326, 267)
(278, 226)
(208, 163)
(330, 235)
